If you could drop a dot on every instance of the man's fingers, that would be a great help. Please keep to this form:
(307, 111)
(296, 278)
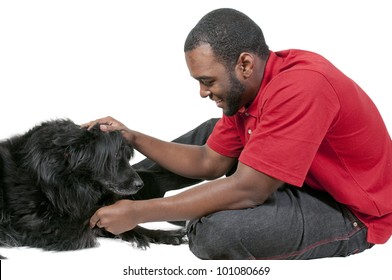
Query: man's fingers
(86, 124)
(95, 221)
(107, 127)
(108, 121)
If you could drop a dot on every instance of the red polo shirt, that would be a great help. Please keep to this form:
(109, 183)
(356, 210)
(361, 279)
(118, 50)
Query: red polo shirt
(312, 124)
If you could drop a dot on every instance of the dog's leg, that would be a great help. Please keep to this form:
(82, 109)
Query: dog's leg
(143, 236)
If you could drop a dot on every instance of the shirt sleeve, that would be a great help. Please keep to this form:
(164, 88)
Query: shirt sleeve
(225, 138)
(298, 108)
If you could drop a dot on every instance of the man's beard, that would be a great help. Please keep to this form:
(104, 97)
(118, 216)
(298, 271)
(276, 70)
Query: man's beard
(233, 97)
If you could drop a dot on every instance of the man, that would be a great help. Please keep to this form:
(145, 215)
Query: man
(307, 151)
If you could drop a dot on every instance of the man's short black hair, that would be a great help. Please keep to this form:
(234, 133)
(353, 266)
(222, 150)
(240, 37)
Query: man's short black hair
(229, 33)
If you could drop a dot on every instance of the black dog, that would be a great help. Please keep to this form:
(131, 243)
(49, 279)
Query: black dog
(55, 176)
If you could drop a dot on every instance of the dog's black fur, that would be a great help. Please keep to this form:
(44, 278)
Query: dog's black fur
(55, 176)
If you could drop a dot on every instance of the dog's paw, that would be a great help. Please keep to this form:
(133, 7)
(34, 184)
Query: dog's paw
(141, 241)
(142, 237)
(171, 237)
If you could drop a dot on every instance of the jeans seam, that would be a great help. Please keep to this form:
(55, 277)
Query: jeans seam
(315, 245)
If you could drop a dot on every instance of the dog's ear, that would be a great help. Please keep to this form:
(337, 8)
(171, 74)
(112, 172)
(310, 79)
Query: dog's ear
(71, 134)
(76, 142)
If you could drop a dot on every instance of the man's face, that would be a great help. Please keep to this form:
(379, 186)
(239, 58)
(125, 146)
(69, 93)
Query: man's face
(216, 82)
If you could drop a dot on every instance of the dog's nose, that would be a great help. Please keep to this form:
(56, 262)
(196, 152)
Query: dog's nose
(138, 184)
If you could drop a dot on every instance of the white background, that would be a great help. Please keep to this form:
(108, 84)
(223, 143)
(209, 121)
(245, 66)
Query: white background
(88, 59)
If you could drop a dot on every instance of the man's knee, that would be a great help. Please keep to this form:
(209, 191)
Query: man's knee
(212, 238)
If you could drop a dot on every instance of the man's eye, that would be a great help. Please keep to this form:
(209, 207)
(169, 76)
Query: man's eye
(207, 83)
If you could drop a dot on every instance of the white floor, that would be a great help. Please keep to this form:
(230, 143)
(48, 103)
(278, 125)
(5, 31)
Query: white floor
(111, 257)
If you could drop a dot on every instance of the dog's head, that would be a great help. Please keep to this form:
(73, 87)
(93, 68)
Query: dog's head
(104, 156)
(73, 163)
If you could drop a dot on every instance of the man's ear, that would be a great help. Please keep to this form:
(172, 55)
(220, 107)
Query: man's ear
(245, 65)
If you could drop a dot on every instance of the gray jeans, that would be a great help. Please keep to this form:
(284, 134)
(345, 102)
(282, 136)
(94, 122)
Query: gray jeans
(294, 223)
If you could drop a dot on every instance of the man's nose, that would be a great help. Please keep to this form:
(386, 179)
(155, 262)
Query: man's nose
(204, 91)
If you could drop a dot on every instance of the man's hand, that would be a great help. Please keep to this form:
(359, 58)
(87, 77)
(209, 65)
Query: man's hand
(116, 218)
(110, 124)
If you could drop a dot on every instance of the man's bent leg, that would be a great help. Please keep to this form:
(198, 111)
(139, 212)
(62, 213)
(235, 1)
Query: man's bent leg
(293, 223)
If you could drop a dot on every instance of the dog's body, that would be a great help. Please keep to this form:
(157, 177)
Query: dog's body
(55, 176)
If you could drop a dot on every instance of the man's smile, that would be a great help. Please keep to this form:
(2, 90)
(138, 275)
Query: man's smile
(218, 101)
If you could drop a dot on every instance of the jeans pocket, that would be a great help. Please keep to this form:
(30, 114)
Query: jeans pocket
(357, 242)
